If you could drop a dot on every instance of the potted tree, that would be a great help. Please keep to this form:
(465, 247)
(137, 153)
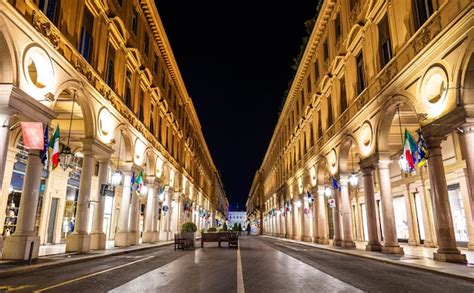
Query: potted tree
(188, 231)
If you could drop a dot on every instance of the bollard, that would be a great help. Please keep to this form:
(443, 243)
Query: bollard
(30, 256)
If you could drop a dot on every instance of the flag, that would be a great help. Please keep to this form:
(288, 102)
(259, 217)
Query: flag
(139, 181)
(310, 197)
(422, 154)
(32, 133)
(44, 152)
(409, 150)
(162, 190)
(54, 144)
(132, 181)
(335, 184)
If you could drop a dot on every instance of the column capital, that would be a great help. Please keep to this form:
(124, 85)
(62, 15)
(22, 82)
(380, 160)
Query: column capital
(344, 179)
(384, 160)
(369, 163)
(97, 148)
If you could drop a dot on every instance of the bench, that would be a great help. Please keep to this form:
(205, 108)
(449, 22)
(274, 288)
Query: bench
(180, 242)
(219, 237)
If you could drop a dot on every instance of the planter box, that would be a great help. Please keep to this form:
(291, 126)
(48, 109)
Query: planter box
(191, 236)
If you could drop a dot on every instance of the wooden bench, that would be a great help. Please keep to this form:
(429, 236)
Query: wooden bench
(214, 237)
(180, 242)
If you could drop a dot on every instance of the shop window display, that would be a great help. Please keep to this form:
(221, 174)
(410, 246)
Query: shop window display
(401, 219)
(457, 212)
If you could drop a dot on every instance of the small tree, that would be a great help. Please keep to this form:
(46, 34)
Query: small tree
(224, 227)
(236, 227)
(248, 228)
(240, 227)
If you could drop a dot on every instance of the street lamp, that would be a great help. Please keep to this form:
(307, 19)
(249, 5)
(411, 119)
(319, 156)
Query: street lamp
(66, 155)
(354, 177)
(298, 203)
(144, 190)
(327, 191)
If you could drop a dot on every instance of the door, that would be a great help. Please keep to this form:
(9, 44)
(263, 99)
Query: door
(52, 219)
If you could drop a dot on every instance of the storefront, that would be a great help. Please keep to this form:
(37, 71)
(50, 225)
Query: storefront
(364, 222)
(458, 214)
(401, 219)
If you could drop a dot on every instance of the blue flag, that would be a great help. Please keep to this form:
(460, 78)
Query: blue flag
(44, 152)
(335, 184)
(132, 181)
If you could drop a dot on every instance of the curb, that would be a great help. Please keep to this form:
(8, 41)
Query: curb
(27, 269)
(393, 262)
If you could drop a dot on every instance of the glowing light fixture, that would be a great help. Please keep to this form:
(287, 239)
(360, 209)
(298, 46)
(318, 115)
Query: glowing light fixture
(354, 177)
(117, 176)
(298, 203)
(327, 191)
(66, 155)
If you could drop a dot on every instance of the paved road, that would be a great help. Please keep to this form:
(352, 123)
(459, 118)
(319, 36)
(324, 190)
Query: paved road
(260, 265)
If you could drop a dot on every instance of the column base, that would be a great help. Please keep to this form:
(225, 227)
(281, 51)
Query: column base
(297, 237)
(133, 238)
(149, 237)
(323, 241)
(289, 236)
(337, 242)
(307, 239)
(450, 257)
(373, 247)
(432, 245)
(78, 242)
(392, 250)
(1, 246)
(18, 247)
(412, 243)
(164, 236)
(348, 244)
(121, 239)
(98, 241)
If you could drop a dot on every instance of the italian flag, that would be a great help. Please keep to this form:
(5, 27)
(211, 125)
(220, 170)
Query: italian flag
(409, 149)
(139, 181)
(54, 144)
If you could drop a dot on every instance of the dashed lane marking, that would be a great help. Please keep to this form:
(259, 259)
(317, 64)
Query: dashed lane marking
(240, 278)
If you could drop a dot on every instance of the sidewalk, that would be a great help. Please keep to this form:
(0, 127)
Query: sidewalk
(13, 268)
(415, 257)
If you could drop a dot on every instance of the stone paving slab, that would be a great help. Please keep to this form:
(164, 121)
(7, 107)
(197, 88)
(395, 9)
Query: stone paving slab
(13, 268)
(413, 261)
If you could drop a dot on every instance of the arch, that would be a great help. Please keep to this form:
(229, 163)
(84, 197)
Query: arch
(121, 133)
(8, 57)
(353, 33)
(386, 115)
(347, 144)
(150, 162)
(322, 171)
(121, 27)
(84, 101)
(467, 82)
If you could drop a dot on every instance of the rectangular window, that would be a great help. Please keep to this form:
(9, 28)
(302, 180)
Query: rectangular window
(128, 89)
(134, 22)
(155, 64)
(109, 74)
(316, 73)
(141, 111)
(361, 83)
(146, 44)
(325, 50)
(330, 118)
(50, 8)
(86, 41)
(423, 9)
(384, 42)
(343, 95)
(308, 85)
(338, 27)
(152, 119)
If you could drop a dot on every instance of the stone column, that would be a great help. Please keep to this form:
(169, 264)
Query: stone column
(306, 220)
(296, 221)
(447, 250)
(156, 207)
(80, 240)
(323, 229)
(134, 228)
(426, 213)
(337, 219)
(370, 211)
(165, 217)
(467, 141)
(289, 221)
(148, 233)
(121, 237)
(98, 237)
(347, 241)
(175, 214)
(389, 227)
(17, 246)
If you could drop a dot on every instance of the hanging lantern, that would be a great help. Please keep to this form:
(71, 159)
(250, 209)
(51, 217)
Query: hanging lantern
(354, 179)
(327, 191)
(65, 158)
(144, 190)
(298, 203)
(116, 178)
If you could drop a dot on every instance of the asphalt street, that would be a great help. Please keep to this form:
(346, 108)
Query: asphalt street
(260, 265)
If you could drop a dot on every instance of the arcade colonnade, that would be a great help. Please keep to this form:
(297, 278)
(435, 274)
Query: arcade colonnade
(333, 171)
(134, 163)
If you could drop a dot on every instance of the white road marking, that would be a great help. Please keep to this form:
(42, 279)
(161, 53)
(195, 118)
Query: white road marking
(92, 275)
(240, 278)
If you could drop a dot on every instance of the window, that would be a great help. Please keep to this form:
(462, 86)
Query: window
(343, 95)
(155, 64)
(320, 125)
(86, 41)
(316, 73)
(330, 118)
(146, 44)
(361, 83)
(338, 27)
(109, 74)
(51, 9)
(152, 119)
(134, 21)
(308, 84)
(128, 89)
(311, 134)
(384, 42)
(423, 9)
(141, 112)
(325, 50)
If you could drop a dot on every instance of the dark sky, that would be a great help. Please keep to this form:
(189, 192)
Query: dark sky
(235, 58)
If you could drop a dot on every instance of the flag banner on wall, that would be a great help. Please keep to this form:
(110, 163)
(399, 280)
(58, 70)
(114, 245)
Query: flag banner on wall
(44, 151)
(422, 153)
(139, 182)
(409, 150)
(54, 144)
(32, 133)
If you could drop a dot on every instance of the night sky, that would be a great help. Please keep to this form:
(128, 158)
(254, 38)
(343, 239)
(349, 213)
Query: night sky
(236, 64)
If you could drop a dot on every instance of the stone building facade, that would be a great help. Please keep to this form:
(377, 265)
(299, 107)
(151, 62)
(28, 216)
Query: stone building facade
(372, 69)
(104, 72)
